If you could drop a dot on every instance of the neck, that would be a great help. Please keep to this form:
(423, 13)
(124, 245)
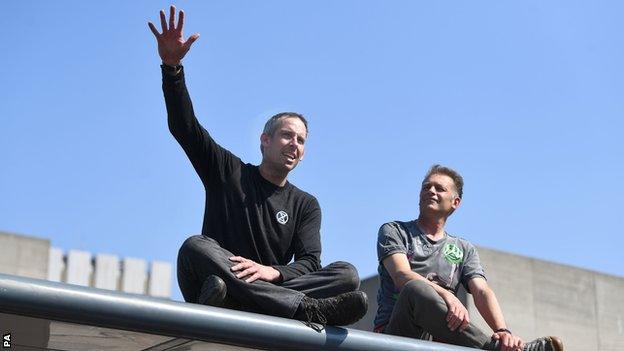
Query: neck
(276, 177)
(433, 228)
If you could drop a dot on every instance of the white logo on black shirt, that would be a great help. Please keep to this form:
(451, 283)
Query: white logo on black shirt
(282, 217)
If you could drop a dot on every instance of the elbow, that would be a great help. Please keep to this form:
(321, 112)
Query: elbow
(173, 128)
(400, 280)
(177, 129)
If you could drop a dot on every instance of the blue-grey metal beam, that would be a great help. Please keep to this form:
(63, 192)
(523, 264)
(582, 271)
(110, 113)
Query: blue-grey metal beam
(111, 309)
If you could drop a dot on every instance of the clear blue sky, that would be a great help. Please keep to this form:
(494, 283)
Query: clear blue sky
(524, 98)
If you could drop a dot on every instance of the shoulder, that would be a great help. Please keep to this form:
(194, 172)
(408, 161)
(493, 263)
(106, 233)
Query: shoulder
(398, 225)
(301, 193)
(394, 228)
(303, 198)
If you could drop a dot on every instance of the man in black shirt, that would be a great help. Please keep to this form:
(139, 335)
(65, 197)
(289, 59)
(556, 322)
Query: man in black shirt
(255, 221)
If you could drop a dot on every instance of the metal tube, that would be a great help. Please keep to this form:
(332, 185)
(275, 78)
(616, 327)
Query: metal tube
(117, 310)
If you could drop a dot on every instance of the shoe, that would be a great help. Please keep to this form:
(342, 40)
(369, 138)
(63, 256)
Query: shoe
(212, 292)
(546, 343)
(343, 309)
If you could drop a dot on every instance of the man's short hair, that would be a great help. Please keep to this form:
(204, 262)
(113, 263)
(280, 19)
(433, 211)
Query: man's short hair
(451, 173)
(275, 121)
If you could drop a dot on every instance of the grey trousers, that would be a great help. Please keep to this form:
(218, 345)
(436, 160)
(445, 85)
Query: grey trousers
(419, 310)
(201, 256)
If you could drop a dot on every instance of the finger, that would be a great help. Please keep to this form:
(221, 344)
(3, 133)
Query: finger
(163, 21)
(253, 278)
(172, 10)
(457, 323)
(512, 345)
(464, 325)
(452, 324)
(242, 265)
(153, 29)
(190, 41)
(461, 317)
(507, 344)
(450, 314)
(180, 22)
(237, 259)
(246, 272)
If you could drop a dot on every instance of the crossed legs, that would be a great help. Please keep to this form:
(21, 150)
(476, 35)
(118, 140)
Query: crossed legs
(200, 257)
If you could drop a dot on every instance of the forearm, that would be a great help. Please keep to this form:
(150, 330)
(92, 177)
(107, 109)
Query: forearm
(298, 267)
(180, 115)
(489, 308)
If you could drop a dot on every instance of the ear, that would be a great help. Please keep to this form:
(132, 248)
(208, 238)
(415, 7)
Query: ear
(265, 139)
(302, 154)
(456, 202)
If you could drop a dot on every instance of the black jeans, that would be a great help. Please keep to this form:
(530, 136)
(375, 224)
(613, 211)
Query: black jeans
(419, 310)
(201, 256)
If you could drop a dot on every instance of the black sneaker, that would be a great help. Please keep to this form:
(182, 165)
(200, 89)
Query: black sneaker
(343, 309)
(212, 292)
(546, 343)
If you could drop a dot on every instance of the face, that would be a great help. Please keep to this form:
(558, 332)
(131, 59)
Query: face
(438, 195)
(285, 148)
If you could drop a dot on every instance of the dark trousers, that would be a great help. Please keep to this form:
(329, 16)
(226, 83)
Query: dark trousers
(201, 256)
(419, 310)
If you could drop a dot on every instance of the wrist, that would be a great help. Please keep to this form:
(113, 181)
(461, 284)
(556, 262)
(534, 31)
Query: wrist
(277, 276)
(171, 63)
(503, 330)
(171, 70)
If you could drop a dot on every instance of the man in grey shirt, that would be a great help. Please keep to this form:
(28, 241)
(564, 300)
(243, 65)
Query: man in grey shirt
(421, 267)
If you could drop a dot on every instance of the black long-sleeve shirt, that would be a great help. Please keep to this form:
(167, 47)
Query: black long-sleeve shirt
(245, 213)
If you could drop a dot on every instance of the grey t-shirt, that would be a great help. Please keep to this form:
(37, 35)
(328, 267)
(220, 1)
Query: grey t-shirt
(447, 262)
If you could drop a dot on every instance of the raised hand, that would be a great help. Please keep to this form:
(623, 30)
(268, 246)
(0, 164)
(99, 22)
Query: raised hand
(171, 45)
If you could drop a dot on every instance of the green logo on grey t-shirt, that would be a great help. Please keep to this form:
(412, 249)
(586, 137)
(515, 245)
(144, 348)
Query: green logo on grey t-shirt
(452, 253)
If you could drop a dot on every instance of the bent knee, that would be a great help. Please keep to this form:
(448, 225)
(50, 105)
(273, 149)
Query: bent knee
(197, 244)
(419, 288)
(348, 275)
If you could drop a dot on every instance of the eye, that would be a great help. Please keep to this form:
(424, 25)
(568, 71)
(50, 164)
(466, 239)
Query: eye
(301, 140)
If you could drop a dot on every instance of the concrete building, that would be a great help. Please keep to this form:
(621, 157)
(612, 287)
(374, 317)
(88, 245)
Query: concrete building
(584, 308)
(34, 258)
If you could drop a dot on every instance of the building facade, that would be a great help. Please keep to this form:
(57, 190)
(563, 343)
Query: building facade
(35, 258)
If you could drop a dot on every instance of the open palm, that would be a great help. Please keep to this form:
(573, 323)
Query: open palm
(171, 44)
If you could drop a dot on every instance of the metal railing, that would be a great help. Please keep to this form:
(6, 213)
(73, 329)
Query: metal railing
(112, 309)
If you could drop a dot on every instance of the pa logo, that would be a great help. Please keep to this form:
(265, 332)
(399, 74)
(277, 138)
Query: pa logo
(282, 217)
(6, 341)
